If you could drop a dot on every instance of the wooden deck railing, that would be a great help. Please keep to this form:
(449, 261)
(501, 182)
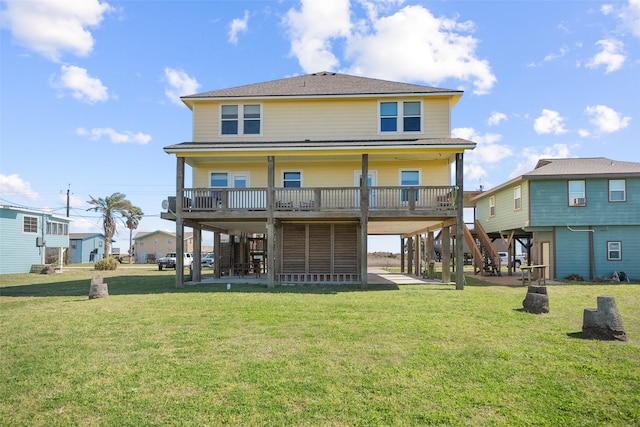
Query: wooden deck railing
(317, 199)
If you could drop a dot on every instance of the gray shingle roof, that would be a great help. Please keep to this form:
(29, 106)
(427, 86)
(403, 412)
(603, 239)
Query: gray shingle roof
(321, 84)
(76, 236)
(266, 146)
(582, 167)
(577, 168)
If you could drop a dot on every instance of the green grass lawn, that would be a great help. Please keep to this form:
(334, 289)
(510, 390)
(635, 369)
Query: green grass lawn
(316, 355)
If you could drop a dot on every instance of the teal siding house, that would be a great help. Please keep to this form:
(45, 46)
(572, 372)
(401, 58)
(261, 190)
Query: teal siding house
(27, 235)
(86, 247)
(583, 216)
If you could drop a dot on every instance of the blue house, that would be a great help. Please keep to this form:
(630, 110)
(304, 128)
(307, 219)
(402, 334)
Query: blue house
(582, 216)
(26, 236)
(85, 247)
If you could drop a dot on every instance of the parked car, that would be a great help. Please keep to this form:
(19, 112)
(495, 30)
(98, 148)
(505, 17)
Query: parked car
(169, 260)
(517, 261)
(208, 260)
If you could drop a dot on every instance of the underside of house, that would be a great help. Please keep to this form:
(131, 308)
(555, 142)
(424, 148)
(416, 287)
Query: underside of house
(315, 234)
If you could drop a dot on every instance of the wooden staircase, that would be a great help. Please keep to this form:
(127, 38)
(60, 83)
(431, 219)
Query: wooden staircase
(486, 259)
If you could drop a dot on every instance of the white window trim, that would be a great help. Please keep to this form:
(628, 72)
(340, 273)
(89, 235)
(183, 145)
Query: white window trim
(577, 202)
(624, 199)
(58, 226)
(358, 173)
(283, 171)
(492, 204)
(240, 121)
(515, 208)
(400, 116)
(402, 193)
(419, 170)
(619, 242)
(37, 224)
(235, 174)
(218, 171)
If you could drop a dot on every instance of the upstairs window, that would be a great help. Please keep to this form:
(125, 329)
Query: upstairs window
(617, 190)
(517, 198)
(400, 116)
(577, 193)
(292, 179)
(492, 206)
(30, 224)
(240, 119)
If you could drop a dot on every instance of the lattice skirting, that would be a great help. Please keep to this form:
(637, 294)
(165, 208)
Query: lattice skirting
(333, 278)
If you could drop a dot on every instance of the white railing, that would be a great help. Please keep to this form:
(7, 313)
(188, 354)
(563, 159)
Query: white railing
(317, 199)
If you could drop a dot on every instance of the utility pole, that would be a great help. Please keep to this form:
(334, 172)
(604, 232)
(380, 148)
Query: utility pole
(68, 189)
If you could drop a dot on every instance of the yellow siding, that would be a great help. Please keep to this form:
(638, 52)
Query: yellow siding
(321, 119)
(436, 118)
(206, 121)
(329, 174)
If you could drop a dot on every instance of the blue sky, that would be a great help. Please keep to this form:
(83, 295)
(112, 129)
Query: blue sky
(89, 90)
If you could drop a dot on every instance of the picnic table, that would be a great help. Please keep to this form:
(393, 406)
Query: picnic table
(540, 271)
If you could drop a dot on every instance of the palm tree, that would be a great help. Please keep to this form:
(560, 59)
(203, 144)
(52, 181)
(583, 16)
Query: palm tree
(133, 216)
(110, 206)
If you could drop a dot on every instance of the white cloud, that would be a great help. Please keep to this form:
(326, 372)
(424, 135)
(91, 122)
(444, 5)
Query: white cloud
(549, 122)
(474, 172)
(552, 56)
(495, 118)
(84, 225)
(180, 84)
(612, 55)
(606, 119)
(126, 137)
(74, 201)
(13, 185)
(630, 17)
(584, 133)
(238, 26)
(486, 155)
(408, 45)
(82, 86)
(606, 9)
(531, 157)
(312, 28)
(52, 27)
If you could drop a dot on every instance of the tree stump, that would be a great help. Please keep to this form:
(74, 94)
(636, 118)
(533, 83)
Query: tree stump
(98, 289)
(536, 300)
(605, 322)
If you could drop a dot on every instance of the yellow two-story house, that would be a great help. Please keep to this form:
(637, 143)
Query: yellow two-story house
(283, 162)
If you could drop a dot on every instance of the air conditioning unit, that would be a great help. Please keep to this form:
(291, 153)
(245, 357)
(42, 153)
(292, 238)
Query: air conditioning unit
(580, 201)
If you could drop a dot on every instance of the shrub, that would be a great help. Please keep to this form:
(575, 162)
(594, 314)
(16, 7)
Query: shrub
(106, 264)
(575, 278)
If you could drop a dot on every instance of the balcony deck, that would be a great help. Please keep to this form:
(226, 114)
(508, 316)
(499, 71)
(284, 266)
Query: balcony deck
(316, 202)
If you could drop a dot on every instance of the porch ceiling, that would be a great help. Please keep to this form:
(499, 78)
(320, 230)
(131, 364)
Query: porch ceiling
(195, 161)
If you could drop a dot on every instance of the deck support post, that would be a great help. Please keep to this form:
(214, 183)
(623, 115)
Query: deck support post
(364, 219)
(196, 275)
(401, 254)
(459, 223)
(446, 254)
(179, 223)
(410, 255)
(271, 229)
(418, 255)
(217, 252)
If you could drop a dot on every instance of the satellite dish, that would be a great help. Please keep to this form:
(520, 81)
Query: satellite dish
(165, 204)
